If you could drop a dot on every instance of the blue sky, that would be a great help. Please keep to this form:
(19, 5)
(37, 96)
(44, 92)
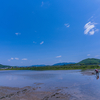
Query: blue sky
(47, 32)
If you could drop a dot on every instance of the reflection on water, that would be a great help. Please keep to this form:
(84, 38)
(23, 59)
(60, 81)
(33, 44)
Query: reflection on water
(97, 76)
(78, 84)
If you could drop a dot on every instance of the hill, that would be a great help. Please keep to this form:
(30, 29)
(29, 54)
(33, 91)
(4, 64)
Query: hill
(90, 61)
(4, 66)
(64, 63)
(38, 65)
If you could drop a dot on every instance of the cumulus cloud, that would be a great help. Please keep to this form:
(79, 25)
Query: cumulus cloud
(24, 59)
(88, 54)
(90, 28)
(17, 33)
(17, 58)
(42, 42)
(58, 56)
(67, 25)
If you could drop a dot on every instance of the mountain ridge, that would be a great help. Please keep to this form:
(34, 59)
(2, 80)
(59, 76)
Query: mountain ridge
(63, 63)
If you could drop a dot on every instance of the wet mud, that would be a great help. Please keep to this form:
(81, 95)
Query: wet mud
(89, 72)
(29, 93)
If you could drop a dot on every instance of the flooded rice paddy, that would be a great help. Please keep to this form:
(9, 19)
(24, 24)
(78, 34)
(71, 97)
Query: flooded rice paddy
(80, 86)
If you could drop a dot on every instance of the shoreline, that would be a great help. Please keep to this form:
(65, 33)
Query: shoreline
(89, 72)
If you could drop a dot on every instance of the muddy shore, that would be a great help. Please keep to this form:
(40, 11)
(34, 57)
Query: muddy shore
(89, 72)
(29, 93)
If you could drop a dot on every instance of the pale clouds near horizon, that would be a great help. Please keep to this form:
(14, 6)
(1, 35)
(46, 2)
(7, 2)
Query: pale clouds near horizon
(90, 28)
(13, 59)
(42, 42)
(88, 54)
(97, 55)
(10, 59)
(67, 25)
(58, 56)
(17, 58)
(24, 59)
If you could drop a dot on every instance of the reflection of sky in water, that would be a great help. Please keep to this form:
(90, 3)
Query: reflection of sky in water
(25, 78)
(73, 79)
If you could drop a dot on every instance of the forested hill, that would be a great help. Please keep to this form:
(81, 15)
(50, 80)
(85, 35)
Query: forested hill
(90, 61)
(64, 63)
(4, 66)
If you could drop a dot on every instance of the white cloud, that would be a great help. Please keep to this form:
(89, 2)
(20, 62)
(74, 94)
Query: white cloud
(96, 30)
(17, 58)
(58, 56)
(17, 33)
(92, 32)
(42, 4)
(97, 55)
(42, 42)
(67, 25)
(12, 58)
(90, 28)
(88, 54)
(24, 59)
(91, 18)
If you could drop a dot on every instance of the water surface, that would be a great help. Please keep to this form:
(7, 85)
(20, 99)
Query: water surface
(75, 82)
